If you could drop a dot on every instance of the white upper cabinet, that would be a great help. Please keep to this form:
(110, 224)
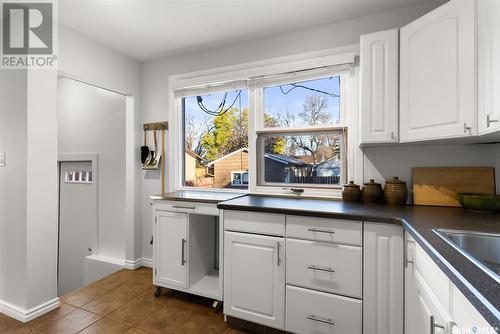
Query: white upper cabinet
(488, 44)
(379, 87)
(438, 74)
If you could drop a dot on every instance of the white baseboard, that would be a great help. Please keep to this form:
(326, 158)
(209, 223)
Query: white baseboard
(25, 315)
(142, 262)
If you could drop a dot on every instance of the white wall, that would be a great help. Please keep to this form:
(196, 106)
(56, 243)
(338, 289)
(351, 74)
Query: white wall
(381, 163)
(85, 59)
(92, 119)
(155, 74)
(13, 187)
(28, 198)
(28, 184)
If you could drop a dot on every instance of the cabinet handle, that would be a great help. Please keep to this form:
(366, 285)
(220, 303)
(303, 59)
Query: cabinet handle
(182, 251)
(328, 269)
(323, 320)
(278, 252)
(405, 251)
(489, 121)
(434, 325)
(313, 229)
(183, 207)
(467, 129)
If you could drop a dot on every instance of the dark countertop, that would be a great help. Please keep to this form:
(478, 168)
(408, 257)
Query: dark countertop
(482, 290)
(196, 196)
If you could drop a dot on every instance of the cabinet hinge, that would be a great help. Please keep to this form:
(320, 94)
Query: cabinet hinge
(156, 220)
(156, 272)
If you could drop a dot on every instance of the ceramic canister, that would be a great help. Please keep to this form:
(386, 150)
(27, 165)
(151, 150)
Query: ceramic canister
(395, 192)
(372, 192)
(351, 192)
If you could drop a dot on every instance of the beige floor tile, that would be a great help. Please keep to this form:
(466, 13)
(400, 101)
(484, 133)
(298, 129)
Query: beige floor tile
(85, 295)
(46, 319)
(10, 325)
(71, 323)
(106, 326)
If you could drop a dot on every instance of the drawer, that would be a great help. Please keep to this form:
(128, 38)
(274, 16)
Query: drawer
(324, 266)
(315, 312)
(254, 222)
(323, 229)
(188, 207)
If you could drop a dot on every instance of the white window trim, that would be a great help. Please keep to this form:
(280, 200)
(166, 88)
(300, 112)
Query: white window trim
(280, 65)
(241, 172)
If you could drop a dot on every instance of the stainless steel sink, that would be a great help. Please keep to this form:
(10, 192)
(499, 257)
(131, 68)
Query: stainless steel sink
(481, 248)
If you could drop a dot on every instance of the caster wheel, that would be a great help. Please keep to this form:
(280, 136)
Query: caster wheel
(217, 306)
(158, 292)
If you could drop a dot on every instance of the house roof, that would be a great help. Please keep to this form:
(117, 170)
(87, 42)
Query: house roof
(193, 154)
(243, 149)
(330, 163)
(286, 160)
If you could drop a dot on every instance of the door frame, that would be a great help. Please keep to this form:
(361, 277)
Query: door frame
(131, 259)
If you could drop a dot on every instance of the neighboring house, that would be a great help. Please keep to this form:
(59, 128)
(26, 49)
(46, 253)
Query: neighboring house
(330, 167)
(192, 160)
(231, 170)
(284, 169)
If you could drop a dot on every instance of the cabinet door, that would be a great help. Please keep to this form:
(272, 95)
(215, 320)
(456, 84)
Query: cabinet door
(170, 248)
(379, 87)
(488, 66)
(383, 291)
(438, 74)
(422, 307)
(254, 278)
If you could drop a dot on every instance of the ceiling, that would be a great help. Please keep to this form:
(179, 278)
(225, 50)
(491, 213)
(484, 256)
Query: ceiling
(150, 29)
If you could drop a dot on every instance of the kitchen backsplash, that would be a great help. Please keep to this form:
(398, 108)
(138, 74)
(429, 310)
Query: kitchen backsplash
(383, 162)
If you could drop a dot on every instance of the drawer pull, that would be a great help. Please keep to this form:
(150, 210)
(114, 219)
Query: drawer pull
(182, 251)
(183, 207)
(322, 320)
(313, 229)
(328, 269)
(278, 253)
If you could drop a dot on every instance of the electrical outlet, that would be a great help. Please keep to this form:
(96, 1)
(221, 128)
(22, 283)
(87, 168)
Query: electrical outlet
(2, 159)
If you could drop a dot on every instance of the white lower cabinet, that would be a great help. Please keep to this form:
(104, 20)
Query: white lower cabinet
(315, 312)
(433, 304)
(254, 278)
(170, 248)
(383, 291)
(324, 266)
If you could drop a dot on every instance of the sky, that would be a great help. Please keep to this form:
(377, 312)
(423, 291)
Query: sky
(275, 101)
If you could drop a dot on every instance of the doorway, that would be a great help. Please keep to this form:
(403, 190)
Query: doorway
(93, 186)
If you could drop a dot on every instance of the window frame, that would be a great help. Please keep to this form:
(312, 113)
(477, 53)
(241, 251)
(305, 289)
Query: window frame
(277, 66)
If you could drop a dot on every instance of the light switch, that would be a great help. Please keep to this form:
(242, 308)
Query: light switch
(2, 159)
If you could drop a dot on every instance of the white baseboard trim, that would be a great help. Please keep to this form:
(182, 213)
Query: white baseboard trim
(142, 262)
(25, 315)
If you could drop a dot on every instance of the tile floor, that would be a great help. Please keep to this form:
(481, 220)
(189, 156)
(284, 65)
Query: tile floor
(124, 303)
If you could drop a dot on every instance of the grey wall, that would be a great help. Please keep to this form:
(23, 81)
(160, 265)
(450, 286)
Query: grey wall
(92, 120)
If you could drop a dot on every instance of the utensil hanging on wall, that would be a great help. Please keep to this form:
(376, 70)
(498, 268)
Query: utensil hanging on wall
(156, 156)
(145, 150)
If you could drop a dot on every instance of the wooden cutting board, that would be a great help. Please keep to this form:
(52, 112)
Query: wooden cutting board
(440, 186)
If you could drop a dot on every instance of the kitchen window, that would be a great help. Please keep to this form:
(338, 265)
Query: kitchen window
(215, 130)
(302, 141)
(267, 128)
